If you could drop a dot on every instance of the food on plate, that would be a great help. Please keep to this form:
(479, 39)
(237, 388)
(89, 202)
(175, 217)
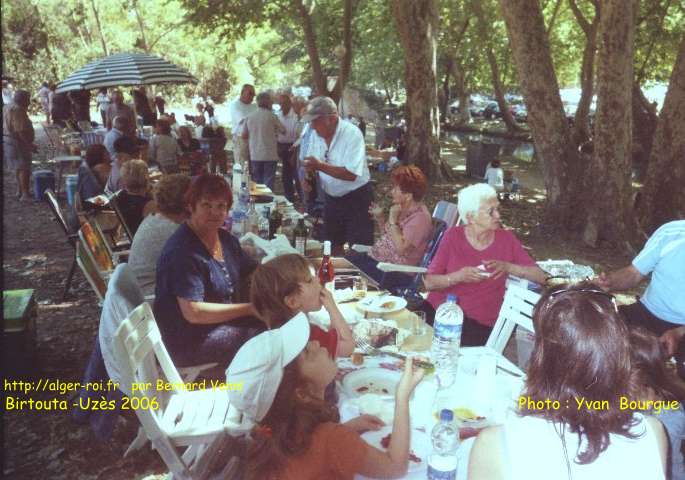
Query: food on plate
(357, 359)
(467, 414)
(385, 443)
(371, 388)
(376, 333)
(468, 432)
(388, 305)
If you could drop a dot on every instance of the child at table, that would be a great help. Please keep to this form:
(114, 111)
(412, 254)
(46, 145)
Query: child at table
(283, 377)
(285, 286)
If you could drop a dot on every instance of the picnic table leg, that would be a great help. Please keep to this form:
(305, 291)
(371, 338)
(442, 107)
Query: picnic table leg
(58, 184)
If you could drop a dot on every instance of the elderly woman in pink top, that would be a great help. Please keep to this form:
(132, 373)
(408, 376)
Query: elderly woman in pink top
(406, 232)
(473, 262)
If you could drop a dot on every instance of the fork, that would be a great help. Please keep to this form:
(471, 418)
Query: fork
(367, 348)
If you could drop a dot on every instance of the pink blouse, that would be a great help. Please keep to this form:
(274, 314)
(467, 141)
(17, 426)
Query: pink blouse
(416, 227)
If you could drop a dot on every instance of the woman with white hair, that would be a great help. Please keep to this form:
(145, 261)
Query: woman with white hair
(473, 261)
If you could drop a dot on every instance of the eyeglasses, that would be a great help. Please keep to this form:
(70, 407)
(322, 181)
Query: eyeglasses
(595, 291)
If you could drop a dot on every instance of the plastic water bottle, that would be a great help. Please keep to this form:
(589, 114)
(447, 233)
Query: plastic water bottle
(237, 178)
(442, 463)
(449, 319)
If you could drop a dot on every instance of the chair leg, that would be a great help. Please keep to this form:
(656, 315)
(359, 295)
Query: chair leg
(137, 443)
(58, 185)
(67, 284)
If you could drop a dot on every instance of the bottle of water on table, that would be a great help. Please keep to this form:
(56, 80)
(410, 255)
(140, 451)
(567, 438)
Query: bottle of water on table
(237, 179)
(442, 463)
(446, 340)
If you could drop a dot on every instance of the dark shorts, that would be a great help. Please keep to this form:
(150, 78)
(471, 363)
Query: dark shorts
(637, 315)
(347, 218)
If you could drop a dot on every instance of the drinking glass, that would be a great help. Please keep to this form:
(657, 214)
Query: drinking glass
(419, 323)
(359, 287)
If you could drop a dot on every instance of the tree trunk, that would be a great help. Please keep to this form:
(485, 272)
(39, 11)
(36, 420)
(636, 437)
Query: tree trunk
(499, 92)
(644, 126)
(141, 26)
(663, 194)
(346, 60)
(609, 212)
(557, 153)
(417, 23)
(97, 23)
(312, 50)
(445, 100)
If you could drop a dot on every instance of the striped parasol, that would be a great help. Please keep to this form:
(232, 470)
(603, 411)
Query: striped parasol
(123, 69)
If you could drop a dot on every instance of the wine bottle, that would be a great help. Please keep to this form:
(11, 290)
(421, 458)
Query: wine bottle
(326, 272)
(275, 220)
(300, 237)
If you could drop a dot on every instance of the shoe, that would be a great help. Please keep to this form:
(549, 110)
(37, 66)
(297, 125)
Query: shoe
(25, 198)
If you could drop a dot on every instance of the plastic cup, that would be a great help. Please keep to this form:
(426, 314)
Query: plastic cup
(419, 324)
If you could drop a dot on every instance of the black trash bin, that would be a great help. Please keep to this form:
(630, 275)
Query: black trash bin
(478, 155)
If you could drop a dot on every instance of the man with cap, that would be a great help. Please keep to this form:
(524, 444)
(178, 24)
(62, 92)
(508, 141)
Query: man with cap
(17, 140)
(337, 155)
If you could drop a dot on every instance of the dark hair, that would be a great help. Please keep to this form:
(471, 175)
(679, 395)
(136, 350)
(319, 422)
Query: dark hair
(650, 378)
(22, 97)
(272, 282)
(125, 145)
(208, 185)
(582, 351)
(410, 179)
(95, 155)
(164, 126)
(290, 423)
(495, 164)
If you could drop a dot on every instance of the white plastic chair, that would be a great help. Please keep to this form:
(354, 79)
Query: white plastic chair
(180, 418)
(517, 309)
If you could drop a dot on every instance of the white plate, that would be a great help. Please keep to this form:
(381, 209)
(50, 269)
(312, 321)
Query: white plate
(380, 381)
(420, 445)
(373, 304)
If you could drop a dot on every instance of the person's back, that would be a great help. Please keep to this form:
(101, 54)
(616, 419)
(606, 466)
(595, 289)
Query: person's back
(164, 150)
(263, 126)
(494, 176)
(146, 248)
(537, 449)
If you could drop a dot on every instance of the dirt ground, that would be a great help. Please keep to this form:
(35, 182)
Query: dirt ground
(48, 443)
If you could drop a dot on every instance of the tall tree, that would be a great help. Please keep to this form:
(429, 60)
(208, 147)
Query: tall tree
(663, 194)
(99, 27)
(610, 215)
(417, 25)
(559, 156)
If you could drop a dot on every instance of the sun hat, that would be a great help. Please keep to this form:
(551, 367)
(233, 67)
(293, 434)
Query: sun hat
(319, 107)
(257, 369)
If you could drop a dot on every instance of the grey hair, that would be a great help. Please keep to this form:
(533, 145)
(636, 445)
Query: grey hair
(264, 100)
(470, 199)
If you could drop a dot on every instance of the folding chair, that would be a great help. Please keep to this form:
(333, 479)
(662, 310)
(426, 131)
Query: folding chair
(114, 203)
(71, 235)
(517, 310)
(92, 273)
(447, 212)
(181, 418)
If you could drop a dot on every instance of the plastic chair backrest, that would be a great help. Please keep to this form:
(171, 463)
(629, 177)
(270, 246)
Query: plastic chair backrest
(517, 309)
(90, 271)
(447, 212)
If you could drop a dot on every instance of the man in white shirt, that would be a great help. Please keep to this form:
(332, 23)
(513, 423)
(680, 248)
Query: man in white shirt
(238, 110)
(290, 122)
(337, 154)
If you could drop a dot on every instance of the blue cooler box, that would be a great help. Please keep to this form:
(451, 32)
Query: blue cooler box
(70, 187)
(42, 180)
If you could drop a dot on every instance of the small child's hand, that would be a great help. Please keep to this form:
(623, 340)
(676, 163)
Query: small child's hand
(364, 423)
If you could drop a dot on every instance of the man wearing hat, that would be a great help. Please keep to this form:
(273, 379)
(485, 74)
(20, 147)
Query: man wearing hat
(337, 155)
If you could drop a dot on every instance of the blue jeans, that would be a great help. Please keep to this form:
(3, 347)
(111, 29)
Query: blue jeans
(264, 172)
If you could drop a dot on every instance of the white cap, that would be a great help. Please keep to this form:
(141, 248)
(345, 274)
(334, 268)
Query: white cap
(327, 247)
(258, 366)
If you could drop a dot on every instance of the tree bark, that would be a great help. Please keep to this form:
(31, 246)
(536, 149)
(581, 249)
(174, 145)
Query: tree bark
(609, 213)
(346, 60)
(417, 23)
(644, 126)
(141, 26)
(557, 153)
(312, 49)
(97, 23)
(663, 194)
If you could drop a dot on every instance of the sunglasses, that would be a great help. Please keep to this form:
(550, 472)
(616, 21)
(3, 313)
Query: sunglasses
(594, 291)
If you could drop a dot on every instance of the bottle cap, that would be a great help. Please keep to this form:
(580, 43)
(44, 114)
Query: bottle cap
(327, 247)
(446, 415)
(452, 298)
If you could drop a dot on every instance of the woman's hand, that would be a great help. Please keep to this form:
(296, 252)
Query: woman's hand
(498, 267)
(469, 275)
(394, 213)
(364, 423)
(411, 376)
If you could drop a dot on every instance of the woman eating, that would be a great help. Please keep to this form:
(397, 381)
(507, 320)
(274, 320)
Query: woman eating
(283, 377)
(581, 353)
(406, 232)
(199, 275)
(473, 262)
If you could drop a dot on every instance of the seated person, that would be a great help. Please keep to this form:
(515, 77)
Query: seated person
(283, 376)
(200, 273)
(581, 353)
(125, 149)
(285, 286)
(191, 151)
(163, 149)
(406, 232)
(481, 242)
(93, 173)
(661, 309)
(494, 176)
(155, 230)
(134, 201)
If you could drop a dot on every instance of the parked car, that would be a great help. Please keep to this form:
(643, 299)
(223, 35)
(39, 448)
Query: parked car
(492, 111)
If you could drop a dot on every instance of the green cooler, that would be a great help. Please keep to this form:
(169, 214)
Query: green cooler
(19, 330)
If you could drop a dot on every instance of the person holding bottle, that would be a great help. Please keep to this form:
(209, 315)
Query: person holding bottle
(473, 262)
(298, 433)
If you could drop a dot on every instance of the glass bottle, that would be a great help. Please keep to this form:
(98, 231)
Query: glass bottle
(264, 224)
(326, 271)
(275, 220)
(300, 237)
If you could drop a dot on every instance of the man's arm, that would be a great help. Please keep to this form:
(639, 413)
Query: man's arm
(622, 279)
(341, 173)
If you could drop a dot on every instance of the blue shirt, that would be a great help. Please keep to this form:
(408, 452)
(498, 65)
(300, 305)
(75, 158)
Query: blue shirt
(186, 269)
(664, 257)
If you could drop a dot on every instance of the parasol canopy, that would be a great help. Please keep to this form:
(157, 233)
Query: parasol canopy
(123, 69)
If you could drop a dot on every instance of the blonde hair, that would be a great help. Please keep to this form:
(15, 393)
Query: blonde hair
(272, 282)
(134, 175)
(170, 193)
